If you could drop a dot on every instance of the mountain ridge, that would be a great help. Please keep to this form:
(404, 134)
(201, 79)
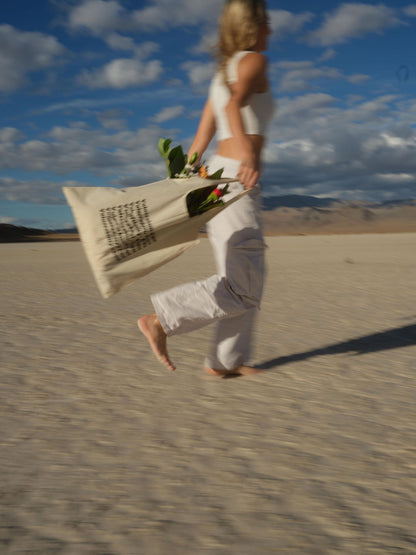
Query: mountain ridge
(285, 214)
(303, 201)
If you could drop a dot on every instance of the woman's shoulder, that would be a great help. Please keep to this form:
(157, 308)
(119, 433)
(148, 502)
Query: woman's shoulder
(251, 55)
(252, 58)
(252, 64)
(246, 62)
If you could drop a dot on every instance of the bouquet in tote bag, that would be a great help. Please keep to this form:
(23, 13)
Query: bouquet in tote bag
(127, 233)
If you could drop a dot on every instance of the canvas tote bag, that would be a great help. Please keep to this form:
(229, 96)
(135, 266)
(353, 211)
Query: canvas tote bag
(127, 233)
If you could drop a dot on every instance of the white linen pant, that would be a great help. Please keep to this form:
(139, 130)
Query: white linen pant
(232, 296)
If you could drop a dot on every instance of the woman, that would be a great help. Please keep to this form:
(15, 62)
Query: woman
(238, 109)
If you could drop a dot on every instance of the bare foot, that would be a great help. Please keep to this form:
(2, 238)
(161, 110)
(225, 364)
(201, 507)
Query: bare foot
(152, 330)
(239, 371)
(220, 373)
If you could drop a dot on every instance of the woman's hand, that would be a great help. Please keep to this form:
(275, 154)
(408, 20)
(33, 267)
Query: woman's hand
(248, 176)
(248, 173)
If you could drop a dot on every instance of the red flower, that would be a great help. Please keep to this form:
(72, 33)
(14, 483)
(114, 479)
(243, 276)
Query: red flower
(213, 199)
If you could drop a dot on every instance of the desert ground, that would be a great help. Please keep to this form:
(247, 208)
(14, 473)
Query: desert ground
(103, 451)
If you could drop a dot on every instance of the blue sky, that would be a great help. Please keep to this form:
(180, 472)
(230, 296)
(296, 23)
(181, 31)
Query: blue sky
(87, 87)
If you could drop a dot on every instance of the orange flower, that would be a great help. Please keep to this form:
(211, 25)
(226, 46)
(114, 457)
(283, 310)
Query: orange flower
(203, 172)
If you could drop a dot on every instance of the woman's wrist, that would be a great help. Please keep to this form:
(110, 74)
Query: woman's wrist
(248, 154)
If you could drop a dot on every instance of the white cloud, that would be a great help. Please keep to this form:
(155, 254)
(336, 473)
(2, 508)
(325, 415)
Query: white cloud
(101, 17)
(410, 10)
(122, 73)
(207, 43)
(308, 104)
(199, 74)
(10, 135)
(96, 16)
(395, 141)
(317, 147)
(36, 191)
(329, 54)
(374, 110)
(120, 42)
(168, 113)
(108, 18)
(111, 21)
(353, 20)
(285, 23)
(64, 150)
(298, 76)
(358, 78)
(23, 52)
(117, 41)
(146, 49)
(161, 14)
(396, 177)
(294, 65)
(113, 119)
(298, 80)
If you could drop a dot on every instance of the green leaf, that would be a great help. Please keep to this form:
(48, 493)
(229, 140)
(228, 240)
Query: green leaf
(217, 174)
(176, 161)
(195, 200)
(163, 146)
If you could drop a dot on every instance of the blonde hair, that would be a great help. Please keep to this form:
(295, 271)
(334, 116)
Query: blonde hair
(238, 28)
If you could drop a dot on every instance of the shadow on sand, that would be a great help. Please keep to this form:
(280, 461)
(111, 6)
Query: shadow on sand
(382, 341)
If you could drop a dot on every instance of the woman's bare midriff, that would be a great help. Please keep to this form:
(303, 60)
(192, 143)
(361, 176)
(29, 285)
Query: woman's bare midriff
(229, 147)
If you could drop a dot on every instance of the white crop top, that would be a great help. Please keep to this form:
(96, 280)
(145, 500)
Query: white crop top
(256, 114)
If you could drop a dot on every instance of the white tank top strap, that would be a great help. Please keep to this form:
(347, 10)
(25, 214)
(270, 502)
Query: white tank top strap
(232, 67)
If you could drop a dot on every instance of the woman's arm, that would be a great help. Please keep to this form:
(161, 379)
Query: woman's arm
(205, 133)
(251, 74)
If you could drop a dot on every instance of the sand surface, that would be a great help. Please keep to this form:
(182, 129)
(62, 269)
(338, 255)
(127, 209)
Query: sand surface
(104, 452)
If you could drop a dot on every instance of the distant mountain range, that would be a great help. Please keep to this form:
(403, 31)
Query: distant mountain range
(18, 234)
(296, 201)
(304, 201)
(299, 214)
(288, 214)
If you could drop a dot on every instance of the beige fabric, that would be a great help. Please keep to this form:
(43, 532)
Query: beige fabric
(127, 233)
